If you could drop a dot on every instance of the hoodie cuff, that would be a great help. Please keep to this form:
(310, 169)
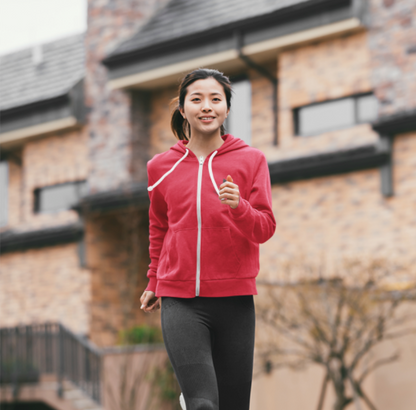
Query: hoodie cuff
(152, 284)
(241, 209)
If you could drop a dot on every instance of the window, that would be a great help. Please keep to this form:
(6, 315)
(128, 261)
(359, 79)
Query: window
(4, 195)
(332, 115)
(59, 197)
(238, 122)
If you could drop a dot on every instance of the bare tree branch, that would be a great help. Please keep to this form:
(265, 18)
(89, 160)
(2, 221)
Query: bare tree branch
(334, 321)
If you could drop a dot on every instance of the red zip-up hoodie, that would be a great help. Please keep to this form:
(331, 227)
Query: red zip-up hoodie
(198, 245)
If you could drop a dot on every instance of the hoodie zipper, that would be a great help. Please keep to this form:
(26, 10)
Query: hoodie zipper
(198, 213)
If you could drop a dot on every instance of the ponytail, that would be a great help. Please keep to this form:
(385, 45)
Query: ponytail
(179, 125)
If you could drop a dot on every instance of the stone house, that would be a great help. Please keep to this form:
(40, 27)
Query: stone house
(327, 90)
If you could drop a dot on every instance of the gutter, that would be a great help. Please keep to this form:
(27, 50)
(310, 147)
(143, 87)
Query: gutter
(238, 37)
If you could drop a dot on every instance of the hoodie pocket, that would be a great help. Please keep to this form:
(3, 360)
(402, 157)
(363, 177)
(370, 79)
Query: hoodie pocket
(181, 255)
(219, 257)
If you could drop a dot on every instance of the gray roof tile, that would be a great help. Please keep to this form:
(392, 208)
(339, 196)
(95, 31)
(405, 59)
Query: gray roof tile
(22, 82)
(181, 18)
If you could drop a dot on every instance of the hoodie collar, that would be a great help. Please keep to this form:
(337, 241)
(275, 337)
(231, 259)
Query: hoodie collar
(231, 143)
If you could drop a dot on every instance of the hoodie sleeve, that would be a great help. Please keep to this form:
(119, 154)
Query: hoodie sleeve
(254, 217)
(158, 226)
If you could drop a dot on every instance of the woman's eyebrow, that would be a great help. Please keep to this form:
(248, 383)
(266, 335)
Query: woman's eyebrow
(201, 93)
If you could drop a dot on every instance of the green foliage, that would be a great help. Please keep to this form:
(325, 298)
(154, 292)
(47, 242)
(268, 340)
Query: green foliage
(18, 370)
(143, 334)
(165, 385)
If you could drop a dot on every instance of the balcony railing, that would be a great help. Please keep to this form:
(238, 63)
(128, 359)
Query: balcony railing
(28, 351)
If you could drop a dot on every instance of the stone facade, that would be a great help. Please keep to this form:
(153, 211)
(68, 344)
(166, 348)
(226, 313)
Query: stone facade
(392, 43)
(110, 125)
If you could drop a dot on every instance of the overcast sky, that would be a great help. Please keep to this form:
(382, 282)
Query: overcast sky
(24, 23)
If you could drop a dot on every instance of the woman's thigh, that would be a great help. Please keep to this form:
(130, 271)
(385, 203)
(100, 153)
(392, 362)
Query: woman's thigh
(187, 337)
(233, 349)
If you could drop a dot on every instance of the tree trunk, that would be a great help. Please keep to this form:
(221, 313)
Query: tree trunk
(341, 400)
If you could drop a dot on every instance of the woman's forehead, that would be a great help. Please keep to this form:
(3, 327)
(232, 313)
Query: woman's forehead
(206, 86)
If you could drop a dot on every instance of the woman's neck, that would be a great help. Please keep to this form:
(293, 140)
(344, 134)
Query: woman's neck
(203, 146)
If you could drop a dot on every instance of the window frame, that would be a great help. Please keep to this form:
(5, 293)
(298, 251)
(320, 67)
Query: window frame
(354, 97)
(235, 79)
(5, 199)
(37, 195)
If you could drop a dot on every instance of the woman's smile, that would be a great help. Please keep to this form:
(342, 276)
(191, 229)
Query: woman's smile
(207, 119)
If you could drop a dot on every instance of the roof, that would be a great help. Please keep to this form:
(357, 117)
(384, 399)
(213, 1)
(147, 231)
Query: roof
(23, 82)
(180, 18)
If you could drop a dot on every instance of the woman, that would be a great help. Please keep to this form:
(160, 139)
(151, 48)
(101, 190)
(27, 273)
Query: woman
(210, 208)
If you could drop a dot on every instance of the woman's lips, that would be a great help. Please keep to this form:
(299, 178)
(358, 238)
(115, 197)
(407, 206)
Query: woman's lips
(207, 121)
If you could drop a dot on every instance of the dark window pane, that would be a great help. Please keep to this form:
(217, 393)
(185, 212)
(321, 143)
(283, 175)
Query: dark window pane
(59, 197)
(327, 116)
(4, 187)
(238, 122)
(367, 108)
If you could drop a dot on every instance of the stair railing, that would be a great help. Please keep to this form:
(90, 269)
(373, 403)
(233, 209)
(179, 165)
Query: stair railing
(30, 350)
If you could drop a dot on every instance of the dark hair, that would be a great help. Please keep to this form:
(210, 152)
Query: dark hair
(180, 127)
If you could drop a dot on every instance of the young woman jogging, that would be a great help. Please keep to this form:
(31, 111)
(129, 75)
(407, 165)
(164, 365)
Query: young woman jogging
(210, 208)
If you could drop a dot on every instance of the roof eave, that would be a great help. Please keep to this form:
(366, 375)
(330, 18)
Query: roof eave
(398, 123)
(294, 12)
(39, 118)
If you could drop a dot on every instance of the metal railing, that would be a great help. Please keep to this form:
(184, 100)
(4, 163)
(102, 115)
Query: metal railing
(28, 351)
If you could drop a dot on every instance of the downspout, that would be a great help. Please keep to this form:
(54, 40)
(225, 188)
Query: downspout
(265, 73)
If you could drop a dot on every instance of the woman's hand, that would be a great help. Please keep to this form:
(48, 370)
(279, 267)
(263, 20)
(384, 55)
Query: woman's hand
(229, 193)
(150, 302)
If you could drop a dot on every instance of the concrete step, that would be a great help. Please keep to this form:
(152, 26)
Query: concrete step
(78, 398)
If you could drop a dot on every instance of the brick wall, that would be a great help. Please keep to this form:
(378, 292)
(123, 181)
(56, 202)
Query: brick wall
(51, 160)
(14, 208)
(117, 254)
(45, 284)
(345, 215)
(327, 69)
(161, 136)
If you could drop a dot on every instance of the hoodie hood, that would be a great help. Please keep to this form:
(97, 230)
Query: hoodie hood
(231, 143)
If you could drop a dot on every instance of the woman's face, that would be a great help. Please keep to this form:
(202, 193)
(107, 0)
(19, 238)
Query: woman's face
(205, 106)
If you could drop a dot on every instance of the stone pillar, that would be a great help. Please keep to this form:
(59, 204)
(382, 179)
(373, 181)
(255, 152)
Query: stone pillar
(392, 41)
(109, 121)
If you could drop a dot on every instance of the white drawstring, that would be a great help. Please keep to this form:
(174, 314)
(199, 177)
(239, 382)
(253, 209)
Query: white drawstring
(150, 188)
(211, 174)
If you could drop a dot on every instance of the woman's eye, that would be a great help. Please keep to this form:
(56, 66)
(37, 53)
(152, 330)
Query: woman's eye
(216, 98)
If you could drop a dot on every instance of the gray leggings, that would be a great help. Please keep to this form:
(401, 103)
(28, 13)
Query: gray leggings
(210, 343)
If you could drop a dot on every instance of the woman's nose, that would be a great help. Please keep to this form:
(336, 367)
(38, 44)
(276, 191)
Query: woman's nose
(206, 107)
